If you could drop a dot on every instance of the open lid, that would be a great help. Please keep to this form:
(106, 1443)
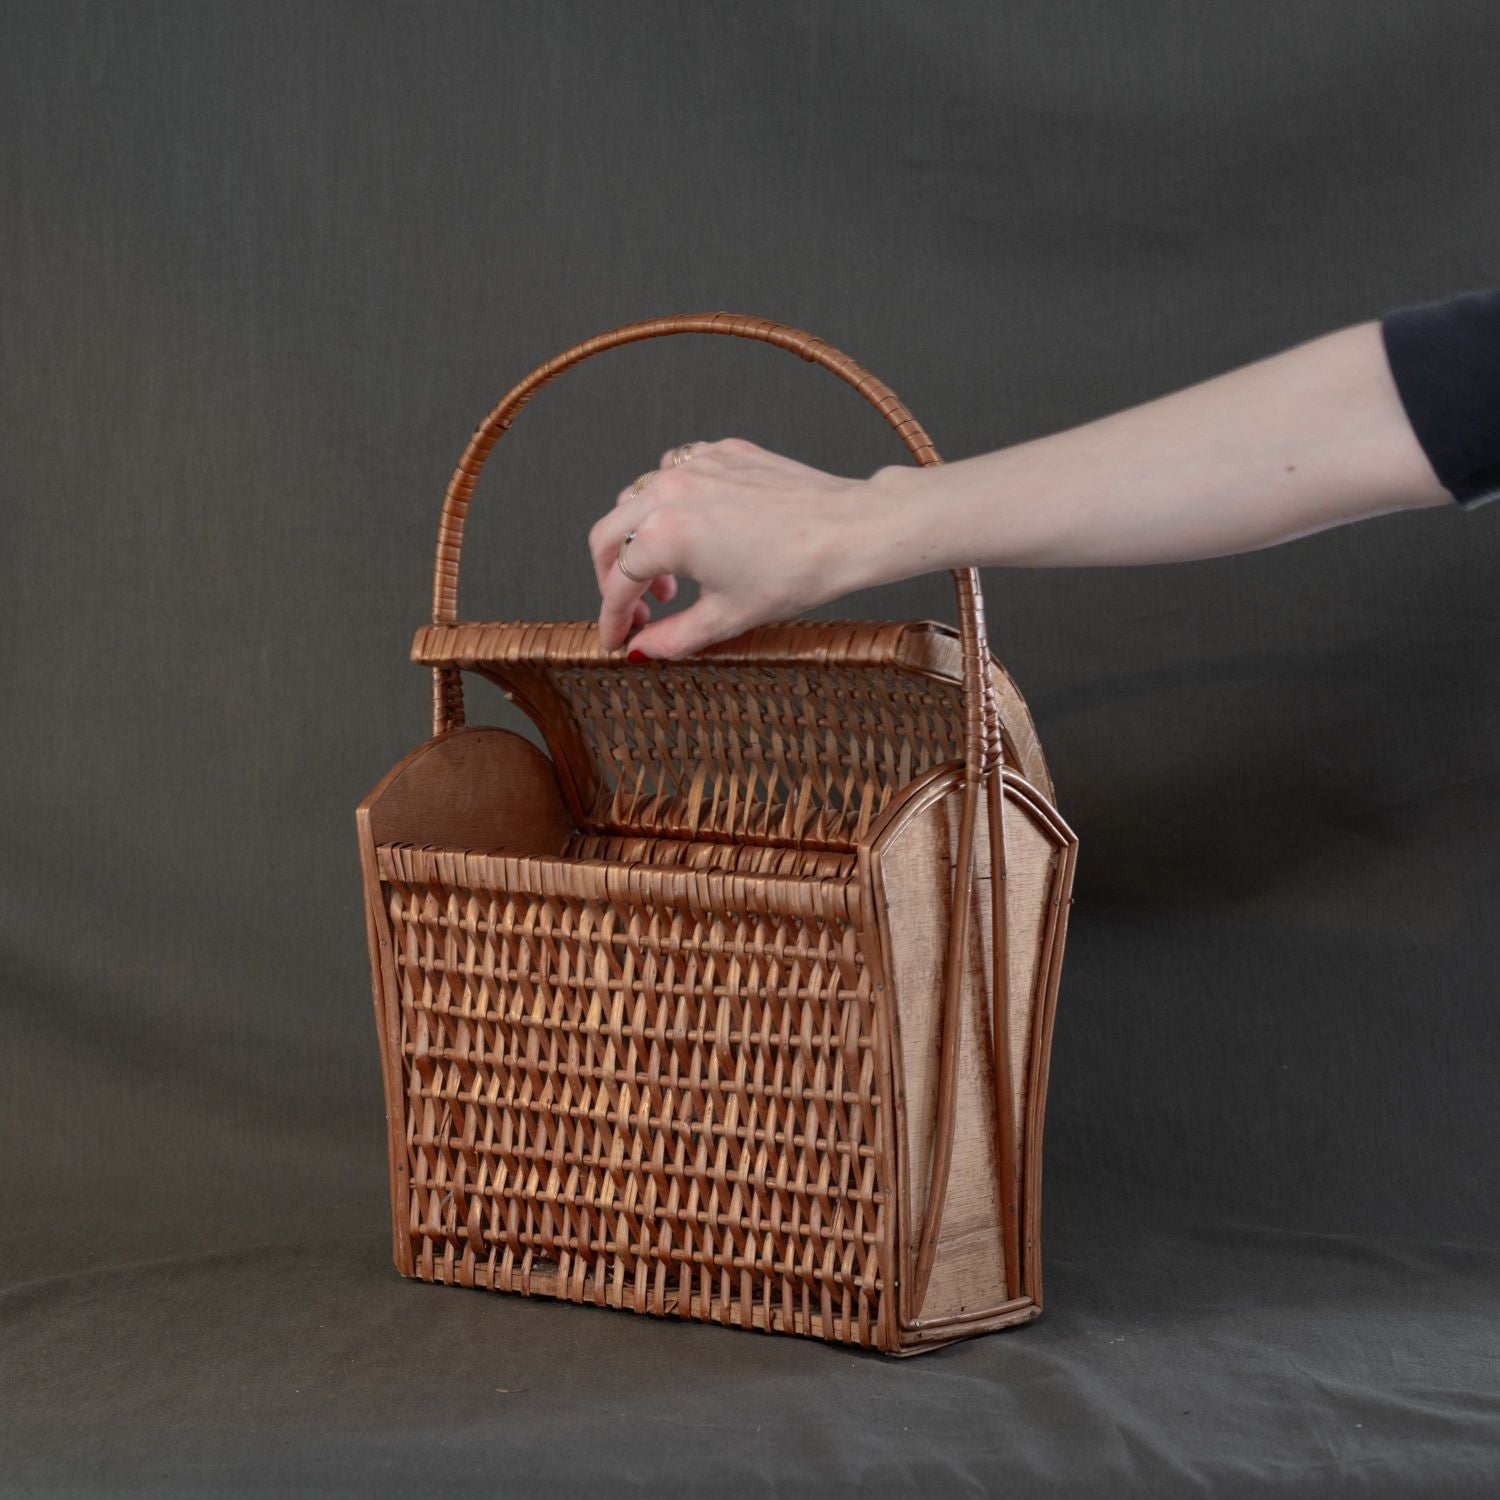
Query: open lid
(799, 732)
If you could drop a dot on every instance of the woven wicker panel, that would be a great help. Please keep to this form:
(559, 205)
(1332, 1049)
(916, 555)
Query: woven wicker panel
(755, 859)
(780, 752)
(650, 1088)
(797, 732)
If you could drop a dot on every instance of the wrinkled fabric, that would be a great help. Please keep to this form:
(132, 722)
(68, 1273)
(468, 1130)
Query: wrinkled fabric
(1228, 1360)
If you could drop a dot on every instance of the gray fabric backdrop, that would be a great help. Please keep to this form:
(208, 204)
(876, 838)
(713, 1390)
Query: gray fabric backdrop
(265, 265)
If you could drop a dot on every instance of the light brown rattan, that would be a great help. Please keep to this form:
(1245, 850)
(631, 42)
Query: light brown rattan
(673, 1017)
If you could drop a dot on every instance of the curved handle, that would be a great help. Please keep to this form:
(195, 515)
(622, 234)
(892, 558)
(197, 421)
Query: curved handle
(982, 746)
(981, 714)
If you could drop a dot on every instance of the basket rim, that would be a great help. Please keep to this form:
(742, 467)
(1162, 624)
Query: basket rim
(931, 648)
(616, 882)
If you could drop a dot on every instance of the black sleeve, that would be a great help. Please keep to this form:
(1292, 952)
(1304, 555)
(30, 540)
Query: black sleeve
(1445, 357)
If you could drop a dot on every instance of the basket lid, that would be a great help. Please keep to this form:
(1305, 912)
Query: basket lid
(798, 732)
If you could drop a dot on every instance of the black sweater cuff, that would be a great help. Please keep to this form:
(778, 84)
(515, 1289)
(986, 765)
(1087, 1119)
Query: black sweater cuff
(1445, 359)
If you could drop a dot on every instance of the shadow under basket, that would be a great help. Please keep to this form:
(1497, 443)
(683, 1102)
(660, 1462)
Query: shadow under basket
(659, 1014)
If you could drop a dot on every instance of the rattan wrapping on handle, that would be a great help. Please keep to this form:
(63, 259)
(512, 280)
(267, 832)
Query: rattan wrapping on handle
(982, 750)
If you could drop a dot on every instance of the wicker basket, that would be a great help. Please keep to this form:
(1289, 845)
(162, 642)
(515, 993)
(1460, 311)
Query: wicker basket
(713, 1011)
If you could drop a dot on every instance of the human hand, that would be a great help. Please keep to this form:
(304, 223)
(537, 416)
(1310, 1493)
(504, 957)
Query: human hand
(764, 537)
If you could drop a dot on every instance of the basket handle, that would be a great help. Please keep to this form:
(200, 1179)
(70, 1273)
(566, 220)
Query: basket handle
(982, 745)
(981, 714)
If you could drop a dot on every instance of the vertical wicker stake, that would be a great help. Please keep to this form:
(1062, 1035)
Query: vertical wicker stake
(689, 1015)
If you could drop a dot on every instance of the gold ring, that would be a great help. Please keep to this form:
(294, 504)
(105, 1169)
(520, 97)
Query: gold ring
(625, 541)
(642, 480)
(683, 454)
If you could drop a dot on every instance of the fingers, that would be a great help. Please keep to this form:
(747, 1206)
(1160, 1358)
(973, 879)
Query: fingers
(689, 630)
(622, 609)
(604, 544)
(666, 484)
(655, 554)
(624, 606)
(633, 511)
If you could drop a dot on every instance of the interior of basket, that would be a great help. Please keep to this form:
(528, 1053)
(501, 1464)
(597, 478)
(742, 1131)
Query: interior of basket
(774, 753)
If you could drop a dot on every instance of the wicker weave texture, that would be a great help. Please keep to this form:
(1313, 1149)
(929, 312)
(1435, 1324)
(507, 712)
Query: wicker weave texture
(661, 1096)
(756, 752)
(800, 731)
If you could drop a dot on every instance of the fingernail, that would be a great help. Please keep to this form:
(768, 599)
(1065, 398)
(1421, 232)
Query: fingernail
(637, 656)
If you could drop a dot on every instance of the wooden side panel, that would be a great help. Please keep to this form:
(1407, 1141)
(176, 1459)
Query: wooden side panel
(914, 868)
(477, 788)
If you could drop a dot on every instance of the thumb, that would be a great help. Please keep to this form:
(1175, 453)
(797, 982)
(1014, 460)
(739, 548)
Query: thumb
(680, 634)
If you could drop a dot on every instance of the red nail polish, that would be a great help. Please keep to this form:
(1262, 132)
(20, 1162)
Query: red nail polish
(637, 656)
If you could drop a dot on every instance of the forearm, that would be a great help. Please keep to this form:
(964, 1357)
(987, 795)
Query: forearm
(1309, 438)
